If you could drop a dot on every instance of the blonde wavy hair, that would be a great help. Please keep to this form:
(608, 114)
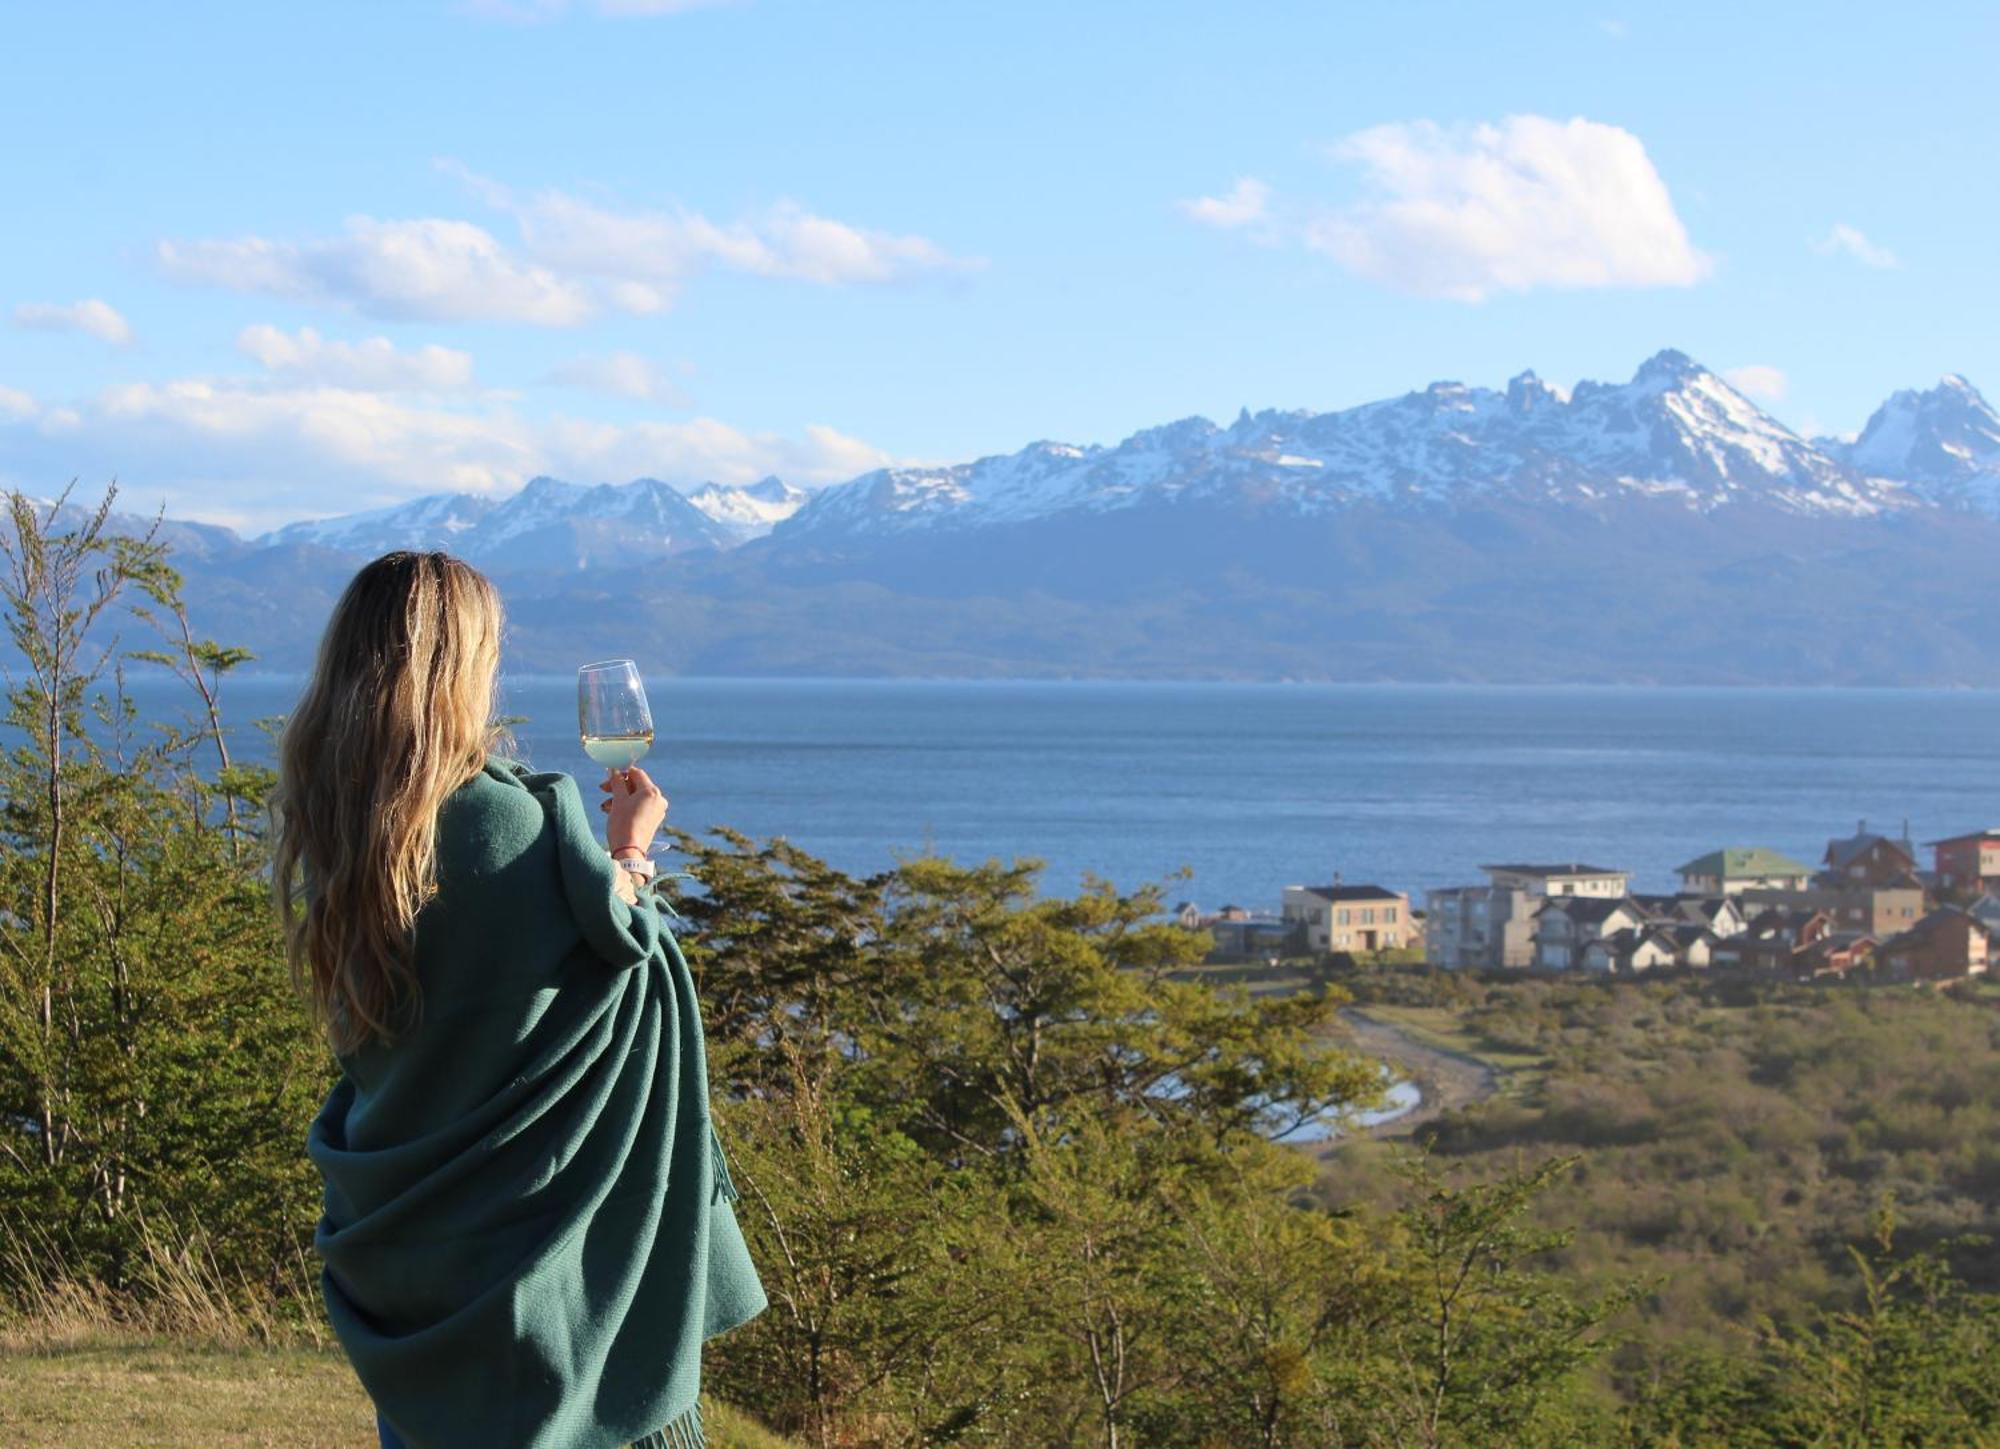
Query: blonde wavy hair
(398, 714)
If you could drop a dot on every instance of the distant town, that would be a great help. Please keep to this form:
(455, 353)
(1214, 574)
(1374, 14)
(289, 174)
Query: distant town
(1868, 910)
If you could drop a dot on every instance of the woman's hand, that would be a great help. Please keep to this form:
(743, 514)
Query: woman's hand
(636, 807)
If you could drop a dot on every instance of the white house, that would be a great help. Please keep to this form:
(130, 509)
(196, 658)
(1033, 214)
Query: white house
(1492, 927)
(1743, 868)
(1566, 925)
(1644, 948)
(1559, 880)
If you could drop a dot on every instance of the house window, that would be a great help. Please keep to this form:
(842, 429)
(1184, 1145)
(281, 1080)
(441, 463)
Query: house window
(1389, 914)
(1368, 916)
(1343, 917)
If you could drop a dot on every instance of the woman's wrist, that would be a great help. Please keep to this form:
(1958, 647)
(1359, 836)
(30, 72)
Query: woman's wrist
(638, 851)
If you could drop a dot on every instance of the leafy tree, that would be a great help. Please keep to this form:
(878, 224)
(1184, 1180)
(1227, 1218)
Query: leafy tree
(859, 1240)
(155, 1075)
(1019, 1187)
(1009, 1175)
(1911, 1365)
(1474, 1342)
(782, 947)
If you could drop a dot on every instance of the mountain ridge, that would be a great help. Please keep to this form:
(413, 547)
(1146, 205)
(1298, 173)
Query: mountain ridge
(1945, 439)
(1676, 427)
(1662, 529)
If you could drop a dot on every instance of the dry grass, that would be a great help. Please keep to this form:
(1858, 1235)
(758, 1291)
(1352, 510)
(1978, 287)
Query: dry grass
(188, 1358)
(126, 1394)
(1519, 1072)
(178, 1293)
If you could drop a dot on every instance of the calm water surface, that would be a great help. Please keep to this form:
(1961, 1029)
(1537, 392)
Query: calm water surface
(1253, 786)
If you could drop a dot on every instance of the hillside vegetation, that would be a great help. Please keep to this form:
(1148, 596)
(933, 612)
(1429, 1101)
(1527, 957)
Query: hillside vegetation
(1006, 1176)
(1731, 1136)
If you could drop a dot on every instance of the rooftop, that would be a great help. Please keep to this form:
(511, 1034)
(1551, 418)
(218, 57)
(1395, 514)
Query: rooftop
(1745, 862)
(1591, 908)
(1945, 914)
(1568, 868)
(1783, 918)
(1351, 893)
(1992, 832)
(1841, 853)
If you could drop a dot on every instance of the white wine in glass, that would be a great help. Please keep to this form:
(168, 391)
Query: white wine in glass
(612, 714)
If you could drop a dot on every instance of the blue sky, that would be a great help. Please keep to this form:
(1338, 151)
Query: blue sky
(266, 262)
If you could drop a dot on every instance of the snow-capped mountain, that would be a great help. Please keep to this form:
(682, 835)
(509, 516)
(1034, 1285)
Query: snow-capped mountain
(548, 527)
(1944, 442)
(436, 520)
(748, 510)
(1662, 529)
(1676, 431)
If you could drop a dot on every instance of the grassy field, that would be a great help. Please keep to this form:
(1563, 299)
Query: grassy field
(153, 1395)
(1258, 978)
(1519, 1072)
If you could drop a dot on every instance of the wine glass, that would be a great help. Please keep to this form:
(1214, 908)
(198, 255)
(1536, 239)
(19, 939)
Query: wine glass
(612, 714)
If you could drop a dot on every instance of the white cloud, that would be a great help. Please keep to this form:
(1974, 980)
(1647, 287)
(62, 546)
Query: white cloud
(429, 269)
(254, 455)
(373, 365)
(1759, 381)
(1466, 212)
(1247, 203)
(1844, 240)
(645, 255)
(99, 319)
(15, 404)
(638, 298)
(575, 258)
(621, 374)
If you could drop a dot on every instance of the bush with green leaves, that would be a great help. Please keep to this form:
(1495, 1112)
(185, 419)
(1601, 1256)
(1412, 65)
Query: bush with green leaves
(155, 1073)
(1006, 1165)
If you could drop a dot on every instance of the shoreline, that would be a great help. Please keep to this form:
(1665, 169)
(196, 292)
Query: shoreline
(1446, 1080)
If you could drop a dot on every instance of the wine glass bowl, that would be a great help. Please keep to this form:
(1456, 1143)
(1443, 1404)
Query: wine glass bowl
(612, 714)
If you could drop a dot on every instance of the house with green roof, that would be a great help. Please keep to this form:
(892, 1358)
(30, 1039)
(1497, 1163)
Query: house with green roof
(1734, 869)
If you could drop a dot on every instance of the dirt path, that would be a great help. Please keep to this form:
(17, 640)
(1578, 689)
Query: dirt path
(1446, 1080)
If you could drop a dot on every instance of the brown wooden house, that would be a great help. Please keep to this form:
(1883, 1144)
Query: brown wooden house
(1968, 865)
(1773, 937)
(1866, 859)
(1835, 954)
(1949, 944)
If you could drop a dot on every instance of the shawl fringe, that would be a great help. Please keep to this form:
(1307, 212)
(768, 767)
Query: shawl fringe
(684, 1431)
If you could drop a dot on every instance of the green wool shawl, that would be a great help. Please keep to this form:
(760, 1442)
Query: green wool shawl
(528, 1228)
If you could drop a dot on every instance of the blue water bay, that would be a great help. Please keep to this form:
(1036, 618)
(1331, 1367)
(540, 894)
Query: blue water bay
(1252, 786)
